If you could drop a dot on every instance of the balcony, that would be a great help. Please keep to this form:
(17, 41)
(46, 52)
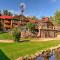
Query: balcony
(7, 22)
(15, 23)
(7, 26)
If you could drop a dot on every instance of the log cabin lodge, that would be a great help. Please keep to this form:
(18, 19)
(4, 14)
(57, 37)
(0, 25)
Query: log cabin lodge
(45, 29)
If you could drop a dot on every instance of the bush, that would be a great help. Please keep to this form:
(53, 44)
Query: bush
(16, 34)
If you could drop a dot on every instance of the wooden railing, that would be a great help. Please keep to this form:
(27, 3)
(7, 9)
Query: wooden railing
(7, 26)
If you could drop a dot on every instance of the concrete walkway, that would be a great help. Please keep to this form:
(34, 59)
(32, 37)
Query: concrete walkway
(45, 39)
(35, 39)
(6, 41)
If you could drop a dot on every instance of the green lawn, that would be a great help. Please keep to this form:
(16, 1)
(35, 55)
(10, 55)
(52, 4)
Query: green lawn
(14, 50)
(11, 51)
(5, 36)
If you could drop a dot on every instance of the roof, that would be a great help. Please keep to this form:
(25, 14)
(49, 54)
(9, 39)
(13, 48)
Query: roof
(25, 19)
(46, 19)
(33, 21)
(19, 17)
(6, 17)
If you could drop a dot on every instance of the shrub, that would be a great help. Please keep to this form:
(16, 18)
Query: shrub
(16, 34)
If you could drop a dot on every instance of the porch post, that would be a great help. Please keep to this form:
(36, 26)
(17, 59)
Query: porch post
(39, 33)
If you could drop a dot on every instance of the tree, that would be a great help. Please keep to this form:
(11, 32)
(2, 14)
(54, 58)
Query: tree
(16, 34)
(30, 26)
(6, 12)
(0, 13)
(52, 19)
(57, 17)
(10, 14)
(33, 17)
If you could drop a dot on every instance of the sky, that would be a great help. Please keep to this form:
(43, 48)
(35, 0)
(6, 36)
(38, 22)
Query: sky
(38, 8)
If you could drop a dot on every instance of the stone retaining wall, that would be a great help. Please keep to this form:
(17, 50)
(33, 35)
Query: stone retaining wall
(46, 55)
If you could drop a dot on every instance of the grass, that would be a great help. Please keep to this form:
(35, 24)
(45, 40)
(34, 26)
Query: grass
(4, 36)
(11, 51)
(15, 50)
(8, 36)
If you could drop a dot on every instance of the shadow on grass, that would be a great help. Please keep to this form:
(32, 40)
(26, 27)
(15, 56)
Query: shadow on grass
(21, 41)
(3, 56)
(24, 40)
